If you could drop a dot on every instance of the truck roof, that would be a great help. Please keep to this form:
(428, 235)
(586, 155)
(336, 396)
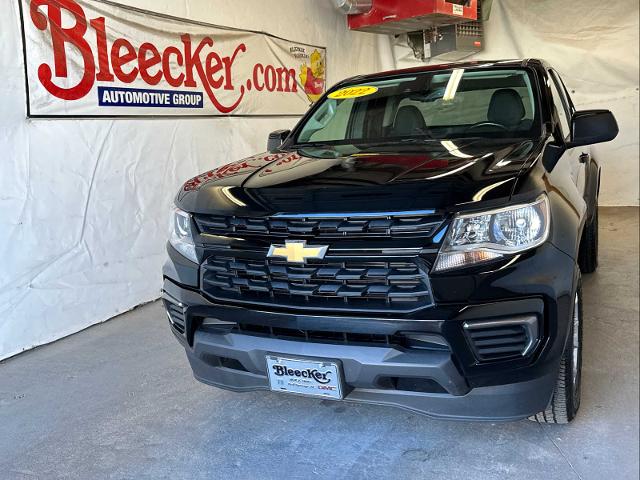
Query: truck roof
(515, 63)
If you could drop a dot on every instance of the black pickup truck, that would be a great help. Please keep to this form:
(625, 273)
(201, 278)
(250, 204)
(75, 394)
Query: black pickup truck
(416, 240)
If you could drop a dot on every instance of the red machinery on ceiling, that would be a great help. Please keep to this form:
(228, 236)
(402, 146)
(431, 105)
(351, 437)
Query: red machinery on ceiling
(434, 27)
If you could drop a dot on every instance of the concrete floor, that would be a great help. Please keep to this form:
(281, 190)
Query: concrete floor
(118, 401)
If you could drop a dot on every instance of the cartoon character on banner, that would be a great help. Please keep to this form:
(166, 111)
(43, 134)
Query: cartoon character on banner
(312, 76)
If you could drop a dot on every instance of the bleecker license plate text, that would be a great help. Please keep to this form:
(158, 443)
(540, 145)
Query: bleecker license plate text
(305, 377)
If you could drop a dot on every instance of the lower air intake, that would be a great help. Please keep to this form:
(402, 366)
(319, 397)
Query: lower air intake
(503, 339)
(175, 313)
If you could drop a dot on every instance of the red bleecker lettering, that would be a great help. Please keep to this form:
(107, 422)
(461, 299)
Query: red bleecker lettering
(214, 65)
(192, 60)
(104, 74)
(228, 63)
(286, 80)
(166, 66)
(147, 62)
(59, 38)
(119, 60)
(258, 76)
(270, 78)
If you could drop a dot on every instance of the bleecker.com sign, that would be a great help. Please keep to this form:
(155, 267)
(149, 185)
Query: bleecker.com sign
(87, 57)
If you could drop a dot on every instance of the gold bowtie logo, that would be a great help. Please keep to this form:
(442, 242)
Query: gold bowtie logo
(297, 251)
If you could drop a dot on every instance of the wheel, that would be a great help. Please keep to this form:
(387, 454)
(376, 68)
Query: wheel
(588, 255)
(565, 401)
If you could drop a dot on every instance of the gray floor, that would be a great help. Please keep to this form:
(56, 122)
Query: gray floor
(118, 401)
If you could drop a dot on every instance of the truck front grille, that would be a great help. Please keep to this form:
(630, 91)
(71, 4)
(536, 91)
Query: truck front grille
(391, 224)
(337, 283)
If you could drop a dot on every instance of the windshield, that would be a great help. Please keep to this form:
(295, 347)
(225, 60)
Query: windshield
(495, 103)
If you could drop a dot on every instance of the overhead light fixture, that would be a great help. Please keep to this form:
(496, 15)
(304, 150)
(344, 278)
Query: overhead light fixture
(353, 7)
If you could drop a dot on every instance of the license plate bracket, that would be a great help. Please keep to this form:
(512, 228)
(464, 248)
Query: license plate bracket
(315, 378)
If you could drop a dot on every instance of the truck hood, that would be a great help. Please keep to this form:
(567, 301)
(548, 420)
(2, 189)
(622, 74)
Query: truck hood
(435, 175)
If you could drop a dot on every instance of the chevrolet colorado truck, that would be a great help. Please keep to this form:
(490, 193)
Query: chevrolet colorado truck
(417, 240)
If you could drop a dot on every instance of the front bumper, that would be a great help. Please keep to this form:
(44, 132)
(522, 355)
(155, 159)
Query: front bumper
(468, 388)
(361, 367)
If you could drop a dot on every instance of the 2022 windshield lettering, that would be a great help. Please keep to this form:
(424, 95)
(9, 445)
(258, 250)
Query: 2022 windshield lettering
(199, 64)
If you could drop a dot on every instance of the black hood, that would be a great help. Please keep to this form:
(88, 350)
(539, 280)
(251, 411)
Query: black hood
(432, 175)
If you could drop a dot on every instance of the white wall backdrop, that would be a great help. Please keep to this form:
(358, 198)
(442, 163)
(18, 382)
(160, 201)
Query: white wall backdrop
(84, 203)
(594, 46)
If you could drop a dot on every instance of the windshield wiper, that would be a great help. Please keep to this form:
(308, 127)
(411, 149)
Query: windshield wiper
(413, 140)
(314, 144)
(366, 144)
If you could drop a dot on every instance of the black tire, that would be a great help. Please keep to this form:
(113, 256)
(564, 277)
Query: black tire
(565, 401)
(588, 255)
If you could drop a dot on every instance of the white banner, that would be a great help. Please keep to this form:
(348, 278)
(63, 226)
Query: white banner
(95, 58)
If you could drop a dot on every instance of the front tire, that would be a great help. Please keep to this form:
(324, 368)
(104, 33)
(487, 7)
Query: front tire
(565, 401)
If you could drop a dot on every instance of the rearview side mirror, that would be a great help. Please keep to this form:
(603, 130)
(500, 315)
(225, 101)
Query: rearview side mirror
(276, 138)
(592, 126)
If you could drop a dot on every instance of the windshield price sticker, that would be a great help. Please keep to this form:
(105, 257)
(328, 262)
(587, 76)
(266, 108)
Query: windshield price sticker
(353, 92)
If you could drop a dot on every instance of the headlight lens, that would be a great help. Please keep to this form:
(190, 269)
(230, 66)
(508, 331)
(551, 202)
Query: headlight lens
(180, 235)
(479, 237)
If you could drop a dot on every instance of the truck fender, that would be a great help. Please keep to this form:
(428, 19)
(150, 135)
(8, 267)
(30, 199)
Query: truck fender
(592, 187)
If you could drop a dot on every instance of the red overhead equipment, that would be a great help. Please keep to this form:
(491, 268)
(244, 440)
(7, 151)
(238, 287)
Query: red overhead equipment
(401, 16)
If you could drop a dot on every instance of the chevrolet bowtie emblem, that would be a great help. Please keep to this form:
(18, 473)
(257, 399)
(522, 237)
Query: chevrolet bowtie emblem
(297, 251)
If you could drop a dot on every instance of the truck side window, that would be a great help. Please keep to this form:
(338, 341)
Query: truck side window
(560, 103)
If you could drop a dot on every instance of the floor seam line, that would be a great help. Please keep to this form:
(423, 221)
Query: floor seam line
(560, 450)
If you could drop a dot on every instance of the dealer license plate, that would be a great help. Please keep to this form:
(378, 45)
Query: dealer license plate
(304, 377)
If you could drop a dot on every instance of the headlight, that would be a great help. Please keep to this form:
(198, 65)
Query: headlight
(180, 236)
(479, 237)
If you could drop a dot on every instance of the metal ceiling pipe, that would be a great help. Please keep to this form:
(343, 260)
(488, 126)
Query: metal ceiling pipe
(353, 7)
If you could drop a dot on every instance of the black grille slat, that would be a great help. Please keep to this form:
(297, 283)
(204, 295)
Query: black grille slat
(318, 227)
(350, 274)
(379, 290)
(353, 291)
(505, 341)
(329, 226)
(381, 225)
(496, 332)
(217, 283)
(510, 349)
(333, 282)
(327, 272)
(214, 222)
(328, 290)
